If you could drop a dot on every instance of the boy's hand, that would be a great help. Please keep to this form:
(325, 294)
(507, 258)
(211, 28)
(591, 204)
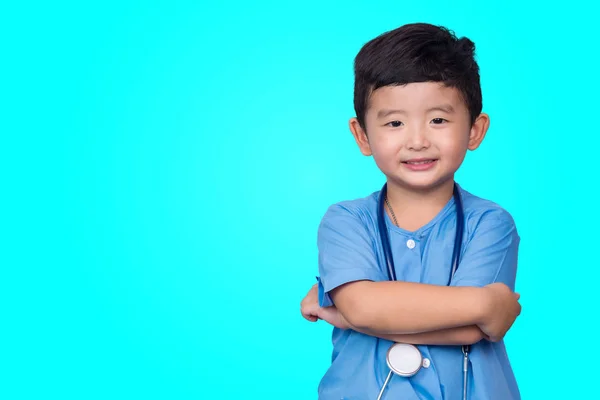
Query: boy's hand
(501, 309)
(310, 309)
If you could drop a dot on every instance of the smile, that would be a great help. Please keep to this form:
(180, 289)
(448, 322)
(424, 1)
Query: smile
(420, 164)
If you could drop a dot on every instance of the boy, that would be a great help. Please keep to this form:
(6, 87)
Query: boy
(418, 110)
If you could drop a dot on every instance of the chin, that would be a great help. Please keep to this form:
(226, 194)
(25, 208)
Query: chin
(424, 184)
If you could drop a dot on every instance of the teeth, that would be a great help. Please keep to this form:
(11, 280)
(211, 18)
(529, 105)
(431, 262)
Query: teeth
(419, 162)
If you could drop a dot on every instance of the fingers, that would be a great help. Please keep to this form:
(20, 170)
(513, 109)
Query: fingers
(309, 310)
(309, 315)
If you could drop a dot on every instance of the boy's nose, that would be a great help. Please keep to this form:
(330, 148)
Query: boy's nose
(417, 139)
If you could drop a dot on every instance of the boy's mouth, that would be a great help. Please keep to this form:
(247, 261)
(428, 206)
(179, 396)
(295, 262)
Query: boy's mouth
(419, 161)
(420, 164)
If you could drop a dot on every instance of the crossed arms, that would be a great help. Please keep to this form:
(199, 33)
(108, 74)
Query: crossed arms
(479, 303)
(419, 313)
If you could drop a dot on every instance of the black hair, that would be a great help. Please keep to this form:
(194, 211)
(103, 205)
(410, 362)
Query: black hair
(417, 52)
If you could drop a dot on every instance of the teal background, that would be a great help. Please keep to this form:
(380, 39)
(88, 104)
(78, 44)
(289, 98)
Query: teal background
(165, 166)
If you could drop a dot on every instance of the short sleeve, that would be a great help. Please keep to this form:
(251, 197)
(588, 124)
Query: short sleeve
(491, 254)
(346, 252)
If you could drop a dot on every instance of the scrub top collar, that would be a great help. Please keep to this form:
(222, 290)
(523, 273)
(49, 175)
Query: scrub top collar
(422, 230)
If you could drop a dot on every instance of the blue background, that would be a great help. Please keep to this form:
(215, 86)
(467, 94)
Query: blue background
(165, 166)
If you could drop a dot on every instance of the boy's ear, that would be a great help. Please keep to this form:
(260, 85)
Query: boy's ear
(360, 136)
(478, 131)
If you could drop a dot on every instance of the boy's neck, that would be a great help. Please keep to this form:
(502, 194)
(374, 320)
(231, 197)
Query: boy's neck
(414, 209)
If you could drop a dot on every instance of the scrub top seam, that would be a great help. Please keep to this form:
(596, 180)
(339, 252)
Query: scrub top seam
(419, 232)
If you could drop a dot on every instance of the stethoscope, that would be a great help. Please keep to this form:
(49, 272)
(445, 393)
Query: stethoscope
(402, 358)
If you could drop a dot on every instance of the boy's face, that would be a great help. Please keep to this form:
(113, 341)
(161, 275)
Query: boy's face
(418, 133)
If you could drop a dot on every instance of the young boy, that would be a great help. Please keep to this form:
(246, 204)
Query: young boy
(418, 110)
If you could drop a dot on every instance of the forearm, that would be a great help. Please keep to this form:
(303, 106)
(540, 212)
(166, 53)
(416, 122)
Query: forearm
(392, 308)
(465, 335)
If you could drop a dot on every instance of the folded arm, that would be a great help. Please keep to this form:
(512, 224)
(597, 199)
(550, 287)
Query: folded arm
(464, 335)
(392, 308)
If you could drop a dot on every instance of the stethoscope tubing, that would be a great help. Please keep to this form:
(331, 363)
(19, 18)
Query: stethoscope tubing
(391, 271)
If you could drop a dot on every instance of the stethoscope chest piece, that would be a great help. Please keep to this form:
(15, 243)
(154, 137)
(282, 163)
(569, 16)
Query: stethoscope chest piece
(404, 359)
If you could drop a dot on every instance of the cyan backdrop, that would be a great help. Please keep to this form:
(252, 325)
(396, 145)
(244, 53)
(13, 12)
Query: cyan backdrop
(165, 166)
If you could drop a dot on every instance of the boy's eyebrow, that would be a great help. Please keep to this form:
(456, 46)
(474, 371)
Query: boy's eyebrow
(447, 108)
(384, 113)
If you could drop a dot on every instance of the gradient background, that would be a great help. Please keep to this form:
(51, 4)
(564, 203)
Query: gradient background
(165, 166)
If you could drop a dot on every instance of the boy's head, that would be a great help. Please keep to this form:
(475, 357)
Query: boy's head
(417, 98)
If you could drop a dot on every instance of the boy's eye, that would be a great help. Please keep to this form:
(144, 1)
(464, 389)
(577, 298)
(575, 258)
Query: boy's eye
(438, 121)
(395, 124)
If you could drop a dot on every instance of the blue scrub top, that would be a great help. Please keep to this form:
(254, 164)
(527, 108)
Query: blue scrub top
(350, 250)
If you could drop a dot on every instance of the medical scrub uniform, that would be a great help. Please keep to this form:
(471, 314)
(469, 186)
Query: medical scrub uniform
(350, 250)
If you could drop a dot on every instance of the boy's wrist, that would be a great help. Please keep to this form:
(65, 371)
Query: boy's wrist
(482, 306)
